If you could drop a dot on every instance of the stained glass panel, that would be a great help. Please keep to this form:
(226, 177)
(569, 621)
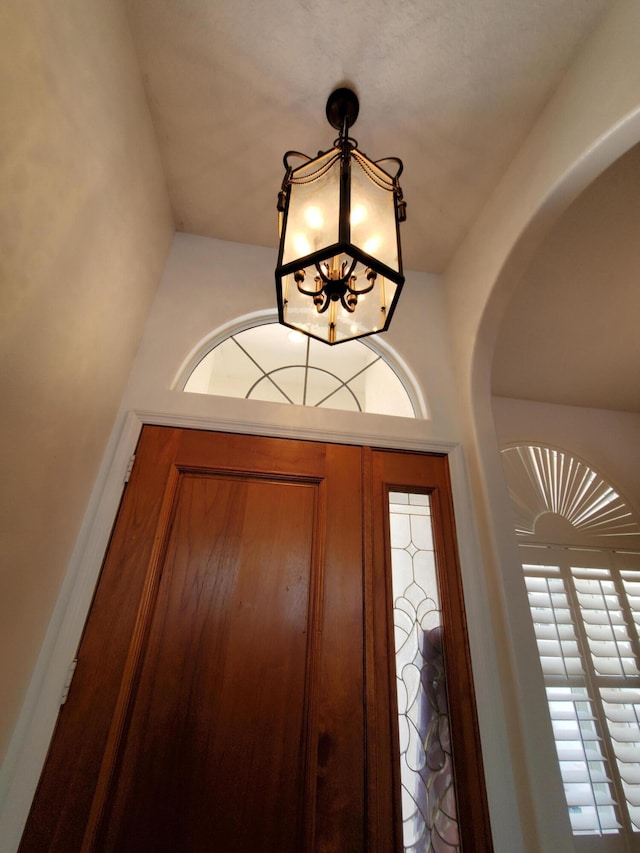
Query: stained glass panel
(426, 769)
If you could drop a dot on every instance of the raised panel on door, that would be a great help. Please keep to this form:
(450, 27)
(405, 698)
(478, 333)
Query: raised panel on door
(214, 750)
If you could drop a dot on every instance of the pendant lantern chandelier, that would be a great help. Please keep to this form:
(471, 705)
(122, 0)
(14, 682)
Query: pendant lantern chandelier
(339, 272)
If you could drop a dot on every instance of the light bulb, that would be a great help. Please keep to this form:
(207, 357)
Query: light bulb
(296, 337)
(371, 245)
(302, 245)
(358, 214)
(314, 217)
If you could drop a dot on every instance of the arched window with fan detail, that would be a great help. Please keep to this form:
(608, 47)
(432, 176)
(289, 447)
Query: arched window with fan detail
(580, 545)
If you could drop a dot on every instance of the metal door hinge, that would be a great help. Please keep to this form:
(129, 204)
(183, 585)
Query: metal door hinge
(68, 680)
(129, 468)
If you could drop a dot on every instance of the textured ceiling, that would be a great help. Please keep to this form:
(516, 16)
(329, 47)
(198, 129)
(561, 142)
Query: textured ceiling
(571, 333)
(450, 86)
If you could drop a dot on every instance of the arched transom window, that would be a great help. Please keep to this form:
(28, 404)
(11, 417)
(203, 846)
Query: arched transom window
(271, 363)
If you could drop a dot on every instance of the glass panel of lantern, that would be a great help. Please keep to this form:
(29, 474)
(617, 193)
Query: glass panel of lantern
(373, 216)
(313, 211)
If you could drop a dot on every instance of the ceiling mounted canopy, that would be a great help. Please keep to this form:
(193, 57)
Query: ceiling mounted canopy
(339, 272)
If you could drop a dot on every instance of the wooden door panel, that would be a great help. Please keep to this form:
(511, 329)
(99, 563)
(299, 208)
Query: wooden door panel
(339, 725)
(221, 693)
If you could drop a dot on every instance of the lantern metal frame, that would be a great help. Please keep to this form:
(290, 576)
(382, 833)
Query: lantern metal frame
(334, 281)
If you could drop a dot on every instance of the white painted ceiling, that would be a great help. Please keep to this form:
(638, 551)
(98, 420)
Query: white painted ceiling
(452, 87)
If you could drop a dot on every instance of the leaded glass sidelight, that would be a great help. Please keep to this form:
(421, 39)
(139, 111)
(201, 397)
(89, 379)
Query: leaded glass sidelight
(429, 814)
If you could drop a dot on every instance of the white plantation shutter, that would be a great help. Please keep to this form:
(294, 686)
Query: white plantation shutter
(605, 613)
(553, 623)
(585, 607)
(583, 764)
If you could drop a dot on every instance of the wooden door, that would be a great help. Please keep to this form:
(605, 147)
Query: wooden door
(232, 689)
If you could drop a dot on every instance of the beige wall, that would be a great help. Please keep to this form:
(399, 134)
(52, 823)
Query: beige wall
(84, 231)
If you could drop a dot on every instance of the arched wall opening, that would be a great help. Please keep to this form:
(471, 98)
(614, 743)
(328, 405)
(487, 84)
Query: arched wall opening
(539, 780)
(610, 435)
(543, 181)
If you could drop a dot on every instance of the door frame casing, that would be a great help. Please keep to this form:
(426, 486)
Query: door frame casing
(28, 747)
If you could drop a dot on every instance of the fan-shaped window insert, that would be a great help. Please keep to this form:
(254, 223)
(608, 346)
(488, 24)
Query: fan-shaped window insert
(268, 362)
(544, 481)
(583, 585)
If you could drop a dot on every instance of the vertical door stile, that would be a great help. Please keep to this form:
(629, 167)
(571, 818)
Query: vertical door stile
(340, 795)
(475, 828)
(373, 820)
(372, 815)
(314, 643)
(383, 783)
(132, 665)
